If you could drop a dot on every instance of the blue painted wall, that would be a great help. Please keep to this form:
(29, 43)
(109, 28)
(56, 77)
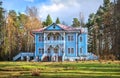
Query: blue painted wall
(76, 44)
(38, 44)
(70, 44)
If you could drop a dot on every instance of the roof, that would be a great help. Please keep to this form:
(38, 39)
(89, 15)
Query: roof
(64, 27)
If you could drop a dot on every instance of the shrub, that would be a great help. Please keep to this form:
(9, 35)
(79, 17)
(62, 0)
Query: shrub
(112, 57)
(35, 73)
(109, 62)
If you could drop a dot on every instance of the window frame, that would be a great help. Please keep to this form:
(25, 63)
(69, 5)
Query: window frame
(80, 38)
(81, 50)
(70, 38)
(41, 38)
(70, 50)
(41, 50)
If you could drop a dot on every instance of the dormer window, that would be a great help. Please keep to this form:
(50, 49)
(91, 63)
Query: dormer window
(54, 27)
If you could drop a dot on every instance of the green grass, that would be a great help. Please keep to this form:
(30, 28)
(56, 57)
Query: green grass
(86, 69)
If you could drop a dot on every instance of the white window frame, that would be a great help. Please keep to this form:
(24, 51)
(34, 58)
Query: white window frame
(41, 38)
(70, 38)
(81, 50)
(70, 50)
(81, 39)
(41, 50)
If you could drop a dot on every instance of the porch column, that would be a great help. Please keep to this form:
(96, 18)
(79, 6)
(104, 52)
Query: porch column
(44, 42)
(76, 44)
(64, 48)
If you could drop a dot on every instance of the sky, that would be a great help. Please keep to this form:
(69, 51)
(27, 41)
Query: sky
(66, 10)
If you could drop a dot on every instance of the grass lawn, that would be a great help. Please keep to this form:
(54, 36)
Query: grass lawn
(81, 69)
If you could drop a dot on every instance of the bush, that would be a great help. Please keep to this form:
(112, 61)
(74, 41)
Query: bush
(35, 73)
(109, 62)
(112, 57)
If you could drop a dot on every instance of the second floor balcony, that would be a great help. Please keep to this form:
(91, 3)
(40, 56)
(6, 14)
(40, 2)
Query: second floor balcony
(54, 41)
(54, 38)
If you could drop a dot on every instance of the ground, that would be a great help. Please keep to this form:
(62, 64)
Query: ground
(81, 69)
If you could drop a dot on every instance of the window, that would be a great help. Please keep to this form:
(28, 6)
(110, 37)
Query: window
(41, 50)
(70, 38)
(56, 50)
(54, 38)
(80, 39)
(57, 37)
(48, 38)
(41, 38)
(62, 38)
(48, 50)
(70, 50)
(80, 50)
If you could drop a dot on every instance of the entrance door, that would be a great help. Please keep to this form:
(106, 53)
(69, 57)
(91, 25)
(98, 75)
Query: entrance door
(56, 54)
(49, 54)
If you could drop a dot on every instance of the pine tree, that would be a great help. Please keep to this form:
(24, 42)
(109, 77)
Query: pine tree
(1, 20)
(116, 23)
(48, 20)
(2, 33)
(99, 25)
(57, 21)
(76, 22)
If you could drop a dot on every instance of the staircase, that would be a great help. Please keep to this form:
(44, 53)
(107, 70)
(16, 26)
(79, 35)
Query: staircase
(43, 56)
(23, 54)
(91, 56)
(63, 57)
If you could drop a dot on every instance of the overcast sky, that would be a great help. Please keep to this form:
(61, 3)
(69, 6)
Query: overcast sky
(66, 10)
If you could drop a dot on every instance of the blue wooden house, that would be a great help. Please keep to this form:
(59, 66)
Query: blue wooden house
(59, 42)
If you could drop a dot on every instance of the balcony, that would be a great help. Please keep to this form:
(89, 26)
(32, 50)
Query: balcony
(54, 41)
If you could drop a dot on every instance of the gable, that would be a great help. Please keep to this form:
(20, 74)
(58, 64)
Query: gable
(53, 27)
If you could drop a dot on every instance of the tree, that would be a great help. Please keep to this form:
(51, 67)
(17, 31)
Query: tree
(64, 23)
(2, 25)
(81, 19)
(48, 20)
(76, 23)
(99, 25)
(10, 36)
(116, 23)
(2, 18)
(57, 21)
(32, 23)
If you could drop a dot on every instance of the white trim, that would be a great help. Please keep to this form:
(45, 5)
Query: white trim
(59, 31)
(35, 44)
(76, 43)
(63, 57)
(44, 43)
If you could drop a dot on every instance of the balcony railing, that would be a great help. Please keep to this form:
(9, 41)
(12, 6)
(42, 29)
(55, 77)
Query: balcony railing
(54, 41)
